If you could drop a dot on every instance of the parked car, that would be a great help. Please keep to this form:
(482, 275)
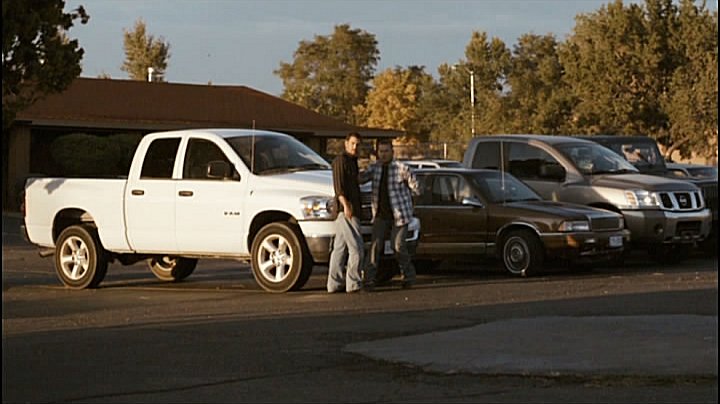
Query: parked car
(665, 216)
(487, 213)
(643, 153)
(696, 171)
(432, 163)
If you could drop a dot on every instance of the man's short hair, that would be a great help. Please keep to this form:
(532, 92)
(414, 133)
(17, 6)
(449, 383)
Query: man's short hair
(384, 141)
(353, 134)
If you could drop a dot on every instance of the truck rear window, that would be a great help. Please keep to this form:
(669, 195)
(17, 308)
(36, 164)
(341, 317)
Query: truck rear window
(160, 158)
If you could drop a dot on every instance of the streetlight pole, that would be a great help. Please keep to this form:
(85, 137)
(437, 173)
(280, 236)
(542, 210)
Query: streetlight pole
(472, 102)
(472, 98)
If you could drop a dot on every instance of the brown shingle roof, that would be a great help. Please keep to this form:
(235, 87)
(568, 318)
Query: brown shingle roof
(140, 104)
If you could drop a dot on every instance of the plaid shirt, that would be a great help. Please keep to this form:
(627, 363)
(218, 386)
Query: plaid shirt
(401, 183)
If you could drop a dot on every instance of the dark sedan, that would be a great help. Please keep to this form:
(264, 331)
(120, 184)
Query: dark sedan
(486, 212)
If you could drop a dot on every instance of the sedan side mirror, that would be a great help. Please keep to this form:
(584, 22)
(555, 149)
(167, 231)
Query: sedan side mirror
(472, 202)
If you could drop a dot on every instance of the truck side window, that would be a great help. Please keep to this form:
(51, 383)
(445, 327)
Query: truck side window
(487, 155)
(160, 158)
(200, 153)
(530, 162)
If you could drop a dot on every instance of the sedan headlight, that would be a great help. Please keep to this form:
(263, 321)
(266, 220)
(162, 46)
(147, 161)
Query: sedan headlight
(575, 226)
(317, 207)
(639, 198)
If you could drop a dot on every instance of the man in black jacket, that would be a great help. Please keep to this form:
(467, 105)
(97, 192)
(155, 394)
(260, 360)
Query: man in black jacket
(344, 269)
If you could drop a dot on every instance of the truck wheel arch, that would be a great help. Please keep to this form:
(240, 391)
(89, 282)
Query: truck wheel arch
(69, 217)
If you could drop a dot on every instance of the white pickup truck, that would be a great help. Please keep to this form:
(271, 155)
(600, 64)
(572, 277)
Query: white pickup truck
(220, 193)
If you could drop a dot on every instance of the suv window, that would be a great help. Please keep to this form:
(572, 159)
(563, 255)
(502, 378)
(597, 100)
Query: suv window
(160, 158)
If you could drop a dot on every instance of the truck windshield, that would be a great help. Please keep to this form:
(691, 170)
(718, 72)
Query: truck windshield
(593, 159)
(274, 154)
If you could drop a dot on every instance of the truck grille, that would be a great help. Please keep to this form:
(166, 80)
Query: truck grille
(606, 223)
(681, 201)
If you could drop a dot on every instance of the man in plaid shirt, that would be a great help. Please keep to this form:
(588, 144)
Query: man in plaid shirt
(393, 184)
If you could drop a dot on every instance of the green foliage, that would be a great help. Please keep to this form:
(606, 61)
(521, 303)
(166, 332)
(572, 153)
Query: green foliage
(691, 101)
(645, 70)
(38, 58)
(395, 99)
(84, 155)
(330, 75)
(536, 101)
(143, 51)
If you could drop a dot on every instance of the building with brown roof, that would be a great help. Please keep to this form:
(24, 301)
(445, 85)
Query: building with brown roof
(105, 106)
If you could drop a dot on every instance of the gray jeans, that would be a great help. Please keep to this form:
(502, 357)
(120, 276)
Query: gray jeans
(346, 257)
(398, 240)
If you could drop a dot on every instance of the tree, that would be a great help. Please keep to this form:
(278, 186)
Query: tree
(331, 74)
(143, 51)
(38, 58)
(488, 60)
(393, 101)
(647, 70)
(536, 101)
(691, 101)
(609, 72)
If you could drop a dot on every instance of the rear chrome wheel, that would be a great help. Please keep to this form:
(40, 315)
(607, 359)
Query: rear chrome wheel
(171, 269)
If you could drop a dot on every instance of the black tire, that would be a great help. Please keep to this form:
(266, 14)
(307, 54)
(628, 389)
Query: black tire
(80, 260)
(522, 253)
(171, 269)
(280, 261)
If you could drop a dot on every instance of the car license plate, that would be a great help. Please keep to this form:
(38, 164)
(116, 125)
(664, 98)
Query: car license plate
(616, 241)
(388, 248)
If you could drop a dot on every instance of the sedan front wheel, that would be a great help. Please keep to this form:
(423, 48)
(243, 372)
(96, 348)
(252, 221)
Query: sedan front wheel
(522, 253)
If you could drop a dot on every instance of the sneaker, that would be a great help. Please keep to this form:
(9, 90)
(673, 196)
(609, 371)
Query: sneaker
(408, 284)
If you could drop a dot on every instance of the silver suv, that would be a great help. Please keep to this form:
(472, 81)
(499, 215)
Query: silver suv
(665, 216)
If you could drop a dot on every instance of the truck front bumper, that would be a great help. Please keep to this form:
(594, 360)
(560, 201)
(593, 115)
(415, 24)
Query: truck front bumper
(318, 235)
(664, 227)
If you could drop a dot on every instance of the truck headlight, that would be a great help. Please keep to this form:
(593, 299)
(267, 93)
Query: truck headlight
(317, 207)
(574, 226)
(639, 198)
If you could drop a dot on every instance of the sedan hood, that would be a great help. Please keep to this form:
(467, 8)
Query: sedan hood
(563, 209)
(641, 181)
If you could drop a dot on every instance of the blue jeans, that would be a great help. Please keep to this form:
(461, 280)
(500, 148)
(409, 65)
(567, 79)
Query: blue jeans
(398, 240)
(346, 257)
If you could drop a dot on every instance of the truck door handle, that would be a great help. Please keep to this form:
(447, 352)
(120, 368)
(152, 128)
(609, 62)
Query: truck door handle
(185, 193)
(137, 192)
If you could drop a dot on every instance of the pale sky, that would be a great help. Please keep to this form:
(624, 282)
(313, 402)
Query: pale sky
(241, 42)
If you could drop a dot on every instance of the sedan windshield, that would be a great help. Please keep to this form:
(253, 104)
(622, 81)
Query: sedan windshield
(273, 154)
(592, 158)
(500, 187)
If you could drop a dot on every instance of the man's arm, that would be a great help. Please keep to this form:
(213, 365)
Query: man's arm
(410, 179)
